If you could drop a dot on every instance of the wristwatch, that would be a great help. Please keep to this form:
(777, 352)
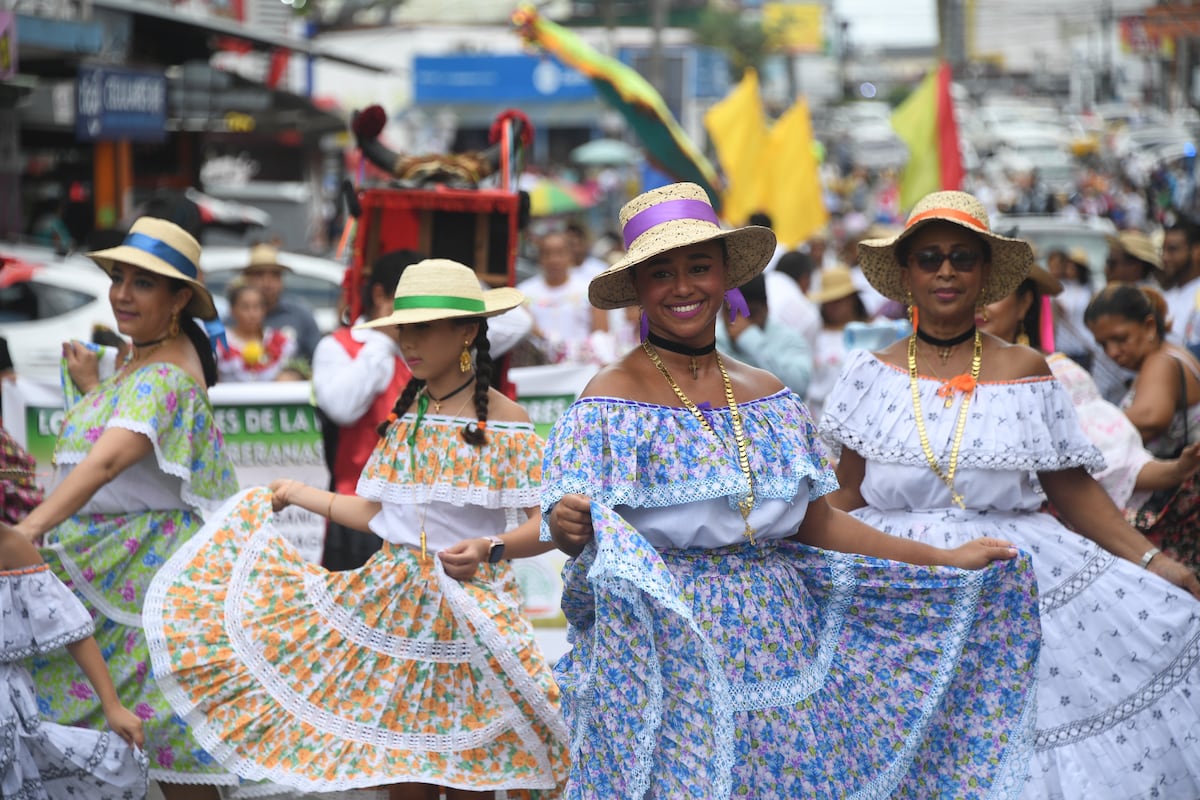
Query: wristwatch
(495, 549)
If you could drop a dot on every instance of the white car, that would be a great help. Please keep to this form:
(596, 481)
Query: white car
(316, 282)
(45, 300)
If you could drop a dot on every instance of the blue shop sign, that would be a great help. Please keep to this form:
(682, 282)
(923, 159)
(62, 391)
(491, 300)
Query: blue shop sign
(117, 103)
(497, 79)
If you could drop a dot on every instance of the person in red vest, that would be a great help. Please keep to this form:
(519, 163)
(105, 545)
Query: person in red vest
(357, 375)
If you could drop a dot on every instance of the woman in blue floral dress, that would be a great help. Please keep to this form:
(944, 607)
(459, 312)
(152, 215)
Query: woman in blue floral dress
(729, 639)
(139, 459)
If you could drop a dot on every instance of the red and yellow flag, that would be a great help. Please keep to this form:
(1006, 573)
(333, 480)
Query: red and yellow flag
(925, 122)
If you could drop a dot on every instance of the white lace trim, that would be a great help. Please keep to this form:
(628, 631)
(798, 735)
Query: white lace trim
(172, 468)
(93, 595)
(1181, 667)
(470, 617)
(1038, 430)
(342, 621)
(381, 490)
(207, 735)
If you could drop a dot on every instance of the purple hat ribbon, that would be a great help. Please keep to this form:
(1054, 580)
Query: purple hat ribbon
(667, 211)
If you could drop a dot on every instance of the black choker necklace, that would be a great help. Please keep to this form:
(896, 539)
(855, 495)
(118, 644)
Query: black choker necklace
(945, 346)
(152, 342)
(437, 401)
(682, 349)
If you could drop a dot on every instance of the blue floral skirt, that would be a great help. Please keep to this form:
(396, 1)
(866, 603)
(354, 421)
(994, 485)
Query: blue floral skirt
(784, 671)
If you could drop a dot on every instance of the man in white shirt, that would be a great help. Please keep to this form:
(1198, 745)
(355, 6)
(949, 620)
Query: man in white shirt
(563, 319)
(586, 264)
(357, 376)
(1181, 270)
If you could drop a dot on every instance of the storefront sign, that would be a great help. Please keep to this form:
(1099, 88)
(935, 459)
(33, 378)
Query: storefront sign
(496, 79)
(115, 103)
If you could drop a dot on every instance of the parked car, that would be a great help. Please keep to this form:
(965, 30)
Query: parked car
(1048, 232)
(316, 282)
(46, 300)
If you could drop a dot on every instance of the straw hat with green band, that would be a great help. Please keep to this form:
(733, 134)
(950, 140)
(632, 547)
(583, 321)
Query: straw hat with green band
(163, 248)
(438, 288)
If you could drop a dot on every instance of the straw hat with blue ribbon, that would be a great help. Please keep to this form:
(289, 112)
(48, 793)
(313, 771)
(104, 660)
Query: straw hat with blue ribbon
(163, 248)
(438, 288)
(673, 216)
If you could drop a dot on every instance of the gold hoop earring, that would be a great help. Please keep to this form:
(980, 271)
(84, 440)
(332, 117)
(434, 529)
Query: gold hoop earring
(464, 360)
(173, 327)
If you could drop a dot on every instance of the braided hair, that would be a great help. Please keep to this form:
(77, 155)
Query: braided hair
(474, 433)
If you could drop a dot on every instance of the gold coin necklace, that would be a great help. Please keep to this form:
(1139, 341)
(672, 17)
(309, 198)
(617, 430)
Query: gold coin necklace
(746, 504)
(967, 387)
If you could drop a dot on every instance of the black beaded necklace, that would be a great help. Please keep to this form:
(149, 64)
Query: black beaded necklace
(945, 346)
(682, 349)
(437, 401)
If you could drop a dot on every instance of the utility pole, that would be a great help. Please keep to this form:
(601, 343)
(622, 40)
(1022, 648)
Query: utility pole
(658, 22)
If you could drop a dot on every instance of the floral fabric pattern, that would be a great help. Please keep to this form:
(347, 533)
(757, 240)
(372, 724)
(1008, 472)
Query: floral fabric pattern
(109, 560)
(713, 673)
(40, 759)
(19, 492)
(1118, 712)
(437, 681)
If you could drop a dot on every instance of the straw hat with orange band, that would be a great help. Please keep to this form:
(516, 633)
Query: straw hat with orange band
(1010, 258)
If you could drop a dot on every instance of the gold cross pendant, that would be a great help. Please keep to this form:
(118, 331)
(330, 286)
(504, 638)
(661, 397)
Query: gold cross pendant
(692, 366)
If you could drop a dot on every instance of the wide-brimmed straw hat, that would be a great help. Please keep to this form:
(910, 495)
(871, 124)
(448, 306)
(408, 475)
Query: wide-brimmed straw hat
(1079, 257)
(164, 248)
(1010, 258)
(836, 283)
(1046, 283)
(438, 288)
(1138, 245)
(678, 215)
(265, 257)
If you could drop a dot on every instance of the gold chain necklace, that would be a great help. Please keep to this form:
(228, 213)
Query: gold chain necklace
(959, 427)
(429, 501)
(746, 504)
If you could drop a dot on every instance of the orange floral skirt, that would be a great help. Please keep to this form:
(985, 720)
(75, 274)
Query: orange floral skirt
(324, 681)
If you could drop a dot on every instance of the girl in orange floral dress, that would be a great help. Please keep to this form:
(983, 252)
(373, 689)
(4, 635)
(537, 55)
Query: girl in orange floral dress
(416, 670)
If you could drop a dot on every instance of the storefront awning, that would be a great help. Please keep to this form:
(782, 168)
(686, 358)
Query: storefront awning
(206, 26)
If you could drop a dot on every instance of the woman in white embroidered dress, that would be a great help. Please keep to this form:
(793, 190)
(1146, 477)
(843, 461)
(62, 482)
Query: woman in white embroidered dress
(417, 669)
(39, 759)
(948, 434)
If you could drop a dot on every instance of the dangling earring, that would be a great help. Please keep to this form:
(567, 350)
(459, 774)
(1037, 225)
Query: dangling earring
(464, 360)
(983, 315)
(173, 327)
(909, 310)
(645, 327)
(1022, 337)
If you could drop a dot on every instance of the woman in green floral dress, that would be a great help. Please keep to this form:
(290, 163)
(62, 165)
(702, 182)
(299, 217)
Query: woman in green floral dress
(139, 459)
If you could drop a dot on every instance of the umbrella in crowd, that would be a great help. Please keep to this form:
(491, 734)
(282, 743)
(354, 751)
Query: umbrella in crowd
(550, 196)
(606, 153)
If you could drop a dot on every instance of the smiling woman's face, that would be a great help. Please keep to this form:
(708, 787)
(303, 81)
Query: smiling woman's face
(143, 302)
(682, 291)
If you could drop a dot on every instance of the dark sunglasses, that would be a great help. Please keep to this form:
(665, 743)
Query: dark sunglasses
(930, 259)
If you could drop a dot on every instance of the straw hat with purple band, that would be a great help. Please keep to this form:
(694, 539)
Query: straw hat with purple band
(438, 288)
(164, 248)
(1010, 258)
(674, 216)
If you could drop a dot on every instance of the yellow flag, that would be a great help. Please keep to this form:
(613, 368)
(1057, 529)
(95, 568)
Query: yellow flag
(793, 195)
(737, 126)
(915, 122)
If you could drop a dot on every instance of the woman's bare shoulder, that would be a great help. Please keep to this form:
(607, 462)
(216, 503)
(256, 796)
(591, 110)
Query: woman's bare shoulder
(752, 382)
(502, 409)
(1013, 362)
